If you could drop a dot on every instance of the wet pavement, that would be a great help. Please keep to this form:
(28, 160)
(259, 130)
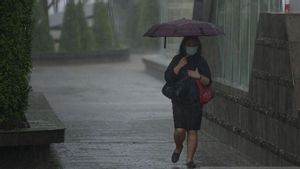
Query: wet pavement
(116, 118)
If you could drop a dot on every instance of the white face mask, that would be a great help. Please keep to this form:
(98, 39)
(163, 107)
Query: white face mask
(191, 50)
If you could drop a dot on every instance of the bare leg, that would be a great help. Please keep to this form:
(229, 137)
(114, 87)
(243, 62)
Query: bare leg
(179, 136)
(192, 142)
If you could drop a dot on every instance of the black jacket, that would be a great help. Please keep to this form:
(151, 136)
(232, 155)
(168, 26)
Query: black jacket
(194, 61)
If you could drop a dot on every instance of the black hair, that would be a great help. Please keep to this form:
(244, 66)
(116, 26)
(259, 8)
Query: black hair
(186, 38)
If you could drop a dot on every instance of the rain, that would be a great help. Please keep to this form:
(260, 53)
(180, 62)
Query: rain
(93, 84)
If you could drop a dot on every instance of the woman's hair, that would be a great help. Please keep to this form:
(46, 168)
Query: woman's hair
(187, 38)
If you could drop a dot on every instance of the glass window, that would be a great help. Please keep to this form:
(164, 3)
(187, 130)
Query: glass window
(239, 19)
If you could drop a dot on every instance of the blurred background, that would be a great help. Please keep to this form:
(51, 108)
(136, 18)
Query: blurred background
(91, 64)
(93, 25)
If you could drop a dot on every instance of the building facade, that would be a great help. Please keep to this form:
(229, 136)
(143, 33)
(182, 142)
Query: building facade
(256, 79)
(239, 19)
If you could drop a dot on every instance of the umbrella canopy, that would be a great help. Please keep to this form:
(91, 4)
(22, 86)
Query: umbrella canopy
(183, 27)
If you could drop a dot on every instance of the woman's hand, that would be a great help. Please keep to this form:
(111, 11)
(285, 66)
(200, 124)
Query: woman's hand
(181, 63)
(196, 75)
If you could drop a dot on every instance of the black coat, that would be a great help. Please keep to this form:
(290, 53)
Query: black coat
(191, 91)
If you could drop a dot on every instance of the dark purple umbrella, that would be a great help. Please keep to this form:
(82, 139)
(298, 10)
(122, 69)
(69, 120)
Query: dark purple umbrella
(183, 27)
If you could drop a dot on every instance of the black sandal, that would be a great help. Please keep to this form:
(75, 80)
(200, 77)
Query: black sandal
(191, 164)
(175, 155)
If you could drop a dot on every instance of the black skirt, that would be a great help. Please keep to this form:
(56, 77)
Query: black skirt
(187, 114)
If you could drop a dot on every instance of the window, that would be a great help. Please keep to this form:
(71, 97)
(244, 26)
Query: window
(239, 20)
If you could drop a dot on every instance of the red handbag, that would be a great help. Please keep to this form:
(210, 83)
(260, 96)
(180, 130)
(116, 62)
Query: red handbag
(205, 93)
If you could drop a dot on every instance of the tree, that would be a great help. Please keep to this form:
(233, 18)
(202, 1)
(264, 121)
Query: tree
(102, 28)
(87, 41)
(130, 15)
(69, 39)
(122, 13)
(148, 15)
(41, 38)
(75, 34)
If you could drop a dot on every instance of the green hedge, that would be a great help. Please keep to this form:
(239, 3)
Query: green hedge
(15, 61)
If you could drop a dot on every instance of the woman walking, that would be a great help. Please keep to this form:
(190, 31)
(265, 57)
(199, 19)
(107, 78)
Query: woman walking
(187, 109)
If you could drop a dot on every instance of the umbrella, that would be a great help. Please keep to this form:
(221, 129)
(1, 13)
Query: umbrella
(183, 27)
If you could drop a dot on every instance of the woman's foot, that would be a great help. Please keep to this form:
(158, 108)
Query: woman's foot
(176, 155)
(191, 164)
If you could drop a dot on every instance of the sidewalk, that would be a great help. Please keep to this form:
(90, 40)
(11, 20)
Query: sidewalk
(116, 117)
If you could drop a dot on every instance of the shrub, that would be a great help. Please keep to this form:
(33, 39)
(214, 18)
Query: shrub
(15, 61)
